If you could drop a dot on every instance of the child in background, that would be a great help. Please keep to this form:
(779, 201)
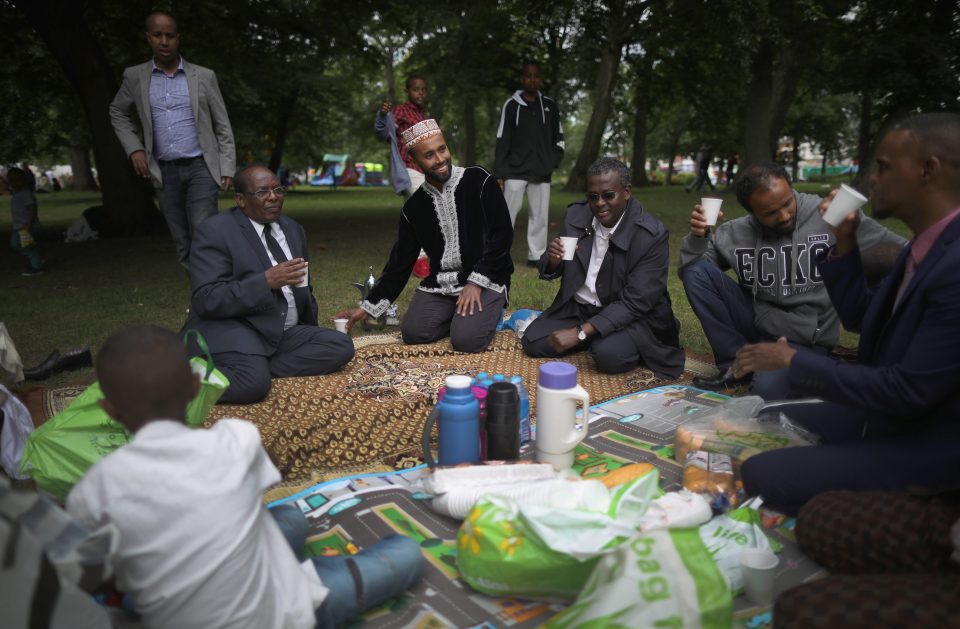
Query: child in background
(23, 211)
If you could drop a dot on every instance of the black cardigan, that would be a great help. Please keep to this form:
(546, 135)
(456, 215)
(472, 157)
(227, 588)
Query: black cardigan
(465, 230)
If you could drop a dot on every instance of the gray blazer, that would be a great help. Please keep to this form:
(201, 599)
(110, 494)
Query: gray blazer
(232, 306)
(209, 114)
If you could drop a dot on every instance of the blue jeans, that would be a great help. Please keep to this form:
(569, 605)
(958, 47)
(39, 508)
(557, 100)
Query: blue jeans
(187, 198)
(31, 253)
(725, 310)
(358, 582)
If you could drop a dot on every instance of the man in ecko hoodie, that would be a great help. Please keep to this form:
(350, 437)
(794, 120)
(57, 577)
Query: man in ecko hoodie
(780, 293)
(529, 148)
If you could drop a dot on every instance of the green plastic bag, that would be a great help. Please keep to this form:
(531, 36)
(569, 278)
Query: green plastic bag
(728, 535)
(663, 578)
(212, 382)
(58, 453)
(505, 548)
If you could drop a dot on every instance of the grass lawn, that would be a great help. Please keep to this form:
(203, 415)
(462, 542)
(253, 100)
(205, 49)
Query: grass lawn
(94, 288)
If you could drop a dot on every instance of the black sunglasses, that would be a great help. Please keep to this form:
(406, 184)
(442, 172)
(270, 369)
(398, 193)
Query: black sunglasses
(609, 195)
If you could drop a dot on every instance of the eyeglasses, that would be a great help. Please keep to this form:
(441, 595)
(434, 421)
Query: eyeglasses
(609, 195)
(263, 194)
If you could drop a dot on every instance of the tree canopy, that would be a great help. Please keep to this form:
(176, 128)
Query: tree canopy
(642, 79)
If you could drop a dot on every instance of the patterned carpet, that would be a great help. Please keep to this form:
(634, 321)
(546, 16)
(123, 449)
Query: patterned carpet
(369, 416)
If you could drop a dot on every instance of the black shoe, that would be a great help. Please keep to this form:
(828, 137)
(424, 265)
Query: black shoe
(57, 362)
(718, 382)
(534, 264)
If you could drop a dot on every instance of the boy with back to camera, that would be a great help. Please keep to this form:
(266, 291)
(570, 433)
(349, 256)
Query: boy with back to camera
(197, 548)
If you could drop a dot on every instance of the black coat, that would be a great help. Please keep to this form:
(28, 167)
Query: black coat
(631, 284)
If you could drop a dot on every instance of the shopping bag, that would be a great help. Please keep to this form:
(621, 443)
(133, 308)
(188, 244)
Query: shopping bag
(506, 548)
(59, 452)
(728, 535)
(212, 382)
(660, 579)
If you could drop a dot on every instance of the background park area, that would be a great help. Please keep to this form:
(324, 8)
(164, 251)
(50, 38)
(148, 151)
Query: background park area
(812, 84)
(96, 287)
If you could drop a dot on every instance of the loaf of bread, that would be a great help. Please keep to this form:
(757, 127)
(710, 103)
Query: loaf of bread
(626, 474)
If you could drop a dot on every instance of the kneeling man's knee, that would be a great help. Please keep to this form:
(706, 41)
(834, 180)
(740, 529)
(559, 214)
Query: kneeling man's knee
(249, 390)
(613, 359)
(470, 342)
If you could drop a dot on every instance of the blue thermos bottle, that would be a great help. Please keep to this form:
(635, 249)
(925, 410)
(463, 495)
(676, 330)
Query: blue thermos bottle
(458, 417)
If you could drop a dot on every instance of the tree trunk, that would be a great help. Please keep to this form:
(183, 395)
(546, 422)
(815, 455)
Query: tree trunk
(391, 80)
(864, 136)
(823, 165)
(674, 147)
(602, 98)
(795, 160)
(771, 91)
(284, 112)
(127, 200)
(470, 132)
(81, 167)
(641, 103)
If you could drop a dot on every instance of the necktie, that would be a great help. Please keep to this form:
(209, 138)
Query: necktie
(273, 245)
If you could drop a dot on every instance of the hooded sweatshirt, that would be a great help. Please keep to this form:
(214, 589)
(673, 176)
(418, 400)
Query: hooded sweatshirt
(529, 139)
(780, 270)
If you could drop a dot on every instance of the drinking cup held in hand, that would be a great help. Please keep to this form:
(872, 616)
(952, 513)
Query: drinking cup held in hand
(340, 325)
(847, 200)
(711, 209)
(306, 276)
(569, 247)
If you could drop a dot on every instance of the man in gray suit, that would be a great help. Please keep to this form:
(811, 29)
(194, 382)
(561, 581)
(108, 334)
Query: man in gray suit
(252, 301)
(187, 148)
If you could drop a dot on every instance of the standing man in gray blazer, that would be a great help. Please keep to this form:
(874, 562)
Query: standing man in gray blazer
(187, 149)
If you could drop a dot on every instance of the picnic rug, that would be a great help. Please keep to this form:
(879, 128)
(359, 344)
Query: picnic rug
(368, 417)
(351, 513)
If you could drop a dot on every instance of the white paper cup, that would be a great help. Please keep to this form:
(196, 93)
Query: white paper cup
(569, 247)
(711, 209)
(758, 567)
(306, 276)
(340, 325)
(847, 200)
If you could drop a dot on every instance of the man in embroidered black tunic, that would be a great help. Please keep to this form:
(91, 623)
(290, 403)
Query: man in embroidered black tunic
(460, 219)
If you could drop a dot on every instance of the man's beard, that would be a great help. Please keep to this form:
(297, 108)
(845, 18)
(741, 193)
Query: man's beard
(442, 178)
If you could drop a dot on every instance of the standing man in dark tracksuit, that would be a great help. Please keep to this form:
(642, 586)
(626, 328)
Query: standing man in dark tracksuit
(529, 149)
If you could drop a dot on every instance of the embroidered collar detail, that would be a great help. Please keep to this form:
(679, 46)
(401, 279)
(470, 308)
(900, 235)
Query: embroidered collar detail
(445, 205)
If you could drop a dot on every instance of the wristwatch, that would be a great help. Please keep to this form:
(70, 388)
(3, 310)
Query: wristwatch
(581, 334)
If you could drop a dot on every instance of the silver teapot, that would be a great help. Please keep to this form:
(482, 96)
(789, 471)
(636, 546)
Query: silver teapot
(369, 323)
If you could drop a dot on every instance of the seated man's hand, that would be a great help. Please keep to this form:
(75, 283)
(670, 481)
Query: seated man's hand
(698, 221)
(564, 340)
(762, 357)
(846, 231)
(286, 273)
(352, 316)
(469, 300)
(554, 255)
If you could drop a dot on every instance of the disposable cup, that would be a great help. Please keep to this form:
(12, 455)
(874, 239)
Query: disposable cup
(569, 247)
(340, 325)
(758, 567)
(847, 200)
(306, 276)
(711, 209)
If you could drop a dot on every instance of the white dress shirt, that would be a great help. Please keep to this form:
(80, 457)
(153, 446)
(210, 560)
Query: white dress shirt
(292, 314)
(587, 294)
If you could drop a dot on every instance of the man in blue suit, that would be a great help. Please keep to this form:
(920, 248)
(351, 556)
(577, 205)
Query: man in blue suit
(252, 301)
(892, 420)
